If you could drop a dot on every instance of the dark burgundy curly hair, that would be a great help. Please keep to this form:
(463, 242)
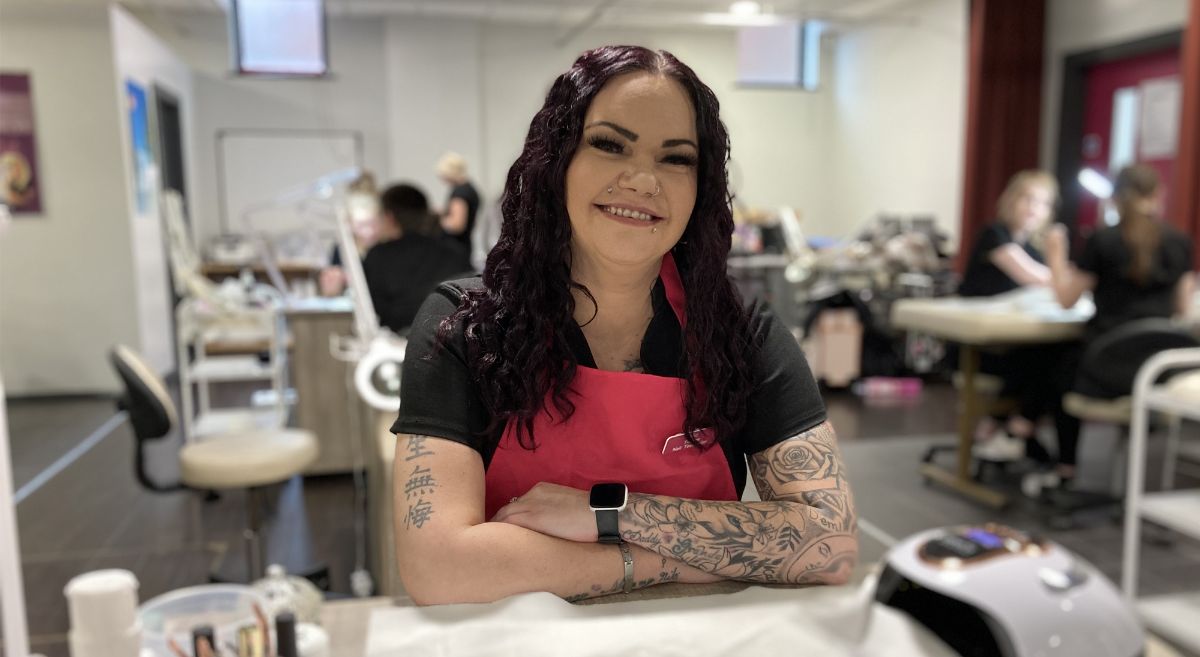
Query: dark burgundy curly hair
(516, 325)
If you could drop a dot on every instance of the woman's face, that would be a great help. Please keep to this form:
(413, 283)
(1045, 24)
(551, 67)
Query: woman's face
(639, 141)
(1032, 207)
(1150, 205)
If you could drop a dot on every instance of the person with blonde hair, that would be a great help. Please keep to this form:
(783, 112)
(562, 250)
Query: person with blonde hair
(462, 206)
(1003, 259)
(362, 202)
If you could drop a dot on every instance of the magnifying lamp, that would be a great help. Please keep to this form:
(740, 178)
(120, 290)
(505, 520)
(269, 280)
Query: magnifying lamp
(1095, 183)
(377, 375)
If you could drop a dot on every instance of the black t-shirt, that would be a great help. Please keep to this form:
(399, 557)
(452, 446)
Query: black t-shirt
(982, 277)
(400, 273)
(467, 193)
(439, 399)
(1119, 298)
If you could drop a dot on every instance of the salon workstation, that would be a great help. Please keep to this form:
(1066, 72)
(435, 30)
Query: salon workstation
(594, 327)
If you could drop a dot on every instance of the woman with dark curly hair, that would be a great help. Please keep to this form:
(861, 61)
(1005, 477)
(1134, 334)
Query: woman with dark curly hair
(579, 420)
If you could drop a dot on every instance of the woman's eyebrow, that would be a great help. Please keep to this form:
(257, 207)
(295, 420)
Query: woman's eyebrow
(667, 143)
(625, 132)
(633, 136)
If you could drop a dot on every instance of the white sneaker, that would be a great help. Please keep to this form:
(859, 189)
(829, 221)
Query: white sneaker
(1001, 447)
(1033, 483)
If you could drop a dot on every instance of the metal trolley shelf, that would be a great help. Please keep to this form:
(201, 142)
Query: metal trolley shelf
(1172, 617)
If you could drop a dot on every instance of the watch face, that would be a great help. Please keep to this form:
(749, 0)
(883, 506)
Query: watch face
(607, 496)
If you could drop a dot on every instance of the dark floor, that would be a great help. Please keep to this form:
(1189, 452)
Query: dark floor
(94, 515)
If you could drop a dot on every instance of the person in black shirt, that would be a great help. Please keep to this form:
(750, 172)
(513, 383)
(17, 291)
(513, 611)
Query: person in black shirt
(1138, 269)
(1004, 257)
(462, 205)
(1002, 260)
(405, 266)
(583, 414)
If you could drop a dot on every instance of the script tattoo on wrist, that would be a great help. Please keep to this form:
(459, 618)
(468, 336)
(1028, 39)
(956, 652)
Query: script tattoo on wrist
(804, 530)
(421, 483)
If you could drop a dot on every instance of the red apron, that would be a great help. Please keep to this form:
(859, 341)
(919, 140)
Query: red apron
(626, 428)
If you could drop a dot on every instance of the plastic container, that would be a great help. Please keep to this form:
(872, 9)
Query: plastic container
(226, 607)
(876, 387)
(285, 592)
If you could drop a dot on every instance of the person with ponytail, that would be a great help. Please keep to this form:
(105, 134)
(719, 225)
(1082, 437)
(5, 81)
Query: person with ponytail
(1138, 269)
(580, 419)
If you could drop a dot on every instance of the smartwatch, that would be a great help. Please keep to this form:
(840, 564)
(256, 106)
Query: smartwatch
(606, 500)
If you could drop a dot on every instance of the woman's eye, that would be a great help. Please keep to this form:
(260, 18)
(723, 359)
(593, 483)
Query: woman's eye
(605, 144)
(682, 160)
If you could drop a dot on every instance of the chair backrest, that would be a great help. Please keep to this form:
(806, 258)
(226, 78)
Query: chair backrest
(1111, 361)
(151, 411)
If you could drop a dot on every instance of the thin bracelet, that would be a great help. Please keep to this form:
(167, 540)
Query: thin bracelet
(627, 557)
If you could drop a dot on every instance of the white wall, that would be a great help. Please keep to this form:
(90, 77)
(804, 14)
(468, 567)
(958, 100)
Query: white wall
(434, 75)
(353, 97)
(66, 277)
(141, 57)
(1073, 26)
(885, 134)
(899, 112)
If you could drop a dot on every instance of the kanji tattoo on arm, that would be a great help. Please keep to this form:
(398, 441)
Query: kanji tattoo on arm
(420, 483)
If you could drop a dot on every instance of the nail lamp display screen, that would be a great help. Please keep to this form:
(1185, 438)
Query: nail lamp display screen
(279, 37)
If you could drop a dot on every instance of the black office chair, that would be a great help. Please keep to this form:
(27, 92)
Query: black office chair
(1102, 390)
(250, 459)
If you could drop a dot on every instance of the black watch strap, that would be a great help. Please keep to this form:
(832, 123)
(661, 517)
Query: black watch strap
(606, 526)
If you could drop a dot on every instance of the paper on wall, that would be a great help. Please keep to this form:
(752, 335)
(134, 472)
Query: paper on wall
(1160, 118)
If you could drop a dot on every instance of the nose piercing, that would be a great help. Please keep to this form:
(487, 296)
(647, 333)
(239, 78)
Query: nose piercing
(657, 190)
(610, 190)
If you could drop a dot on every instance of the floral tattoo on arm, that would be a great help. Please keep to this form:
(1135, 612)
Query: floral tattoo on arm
(804, 530)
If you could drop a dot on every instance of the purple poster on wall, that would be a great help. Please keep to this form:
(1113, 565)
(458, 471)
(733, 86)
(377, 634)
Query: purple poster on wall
(20, 187)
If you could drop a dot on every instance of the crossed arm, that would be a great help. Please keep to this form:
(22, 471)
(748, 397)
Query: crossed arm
(802, 532)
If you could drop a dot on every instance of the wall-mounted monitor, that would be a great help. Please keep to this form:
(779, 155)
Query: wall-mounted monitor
(280, 38)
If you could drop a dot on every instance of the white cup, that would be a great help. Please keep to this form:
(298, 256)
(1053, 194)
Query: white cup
(126, 643)
(102, 603)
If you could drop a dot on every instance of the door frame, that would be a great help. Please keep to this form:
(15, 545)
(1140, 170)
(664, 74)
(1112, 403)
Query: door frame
(164, 96)
(1071, 110)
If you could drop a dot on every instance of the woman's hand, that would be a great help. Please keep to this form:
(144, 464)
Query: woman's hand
(552, 510)
(1056, 245)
